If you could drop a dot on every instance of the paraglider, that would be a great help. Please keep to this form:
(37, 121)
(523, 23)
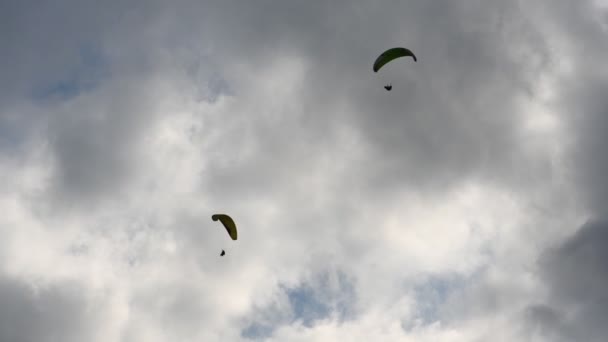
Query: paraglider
(389, 55)
(228, 224)
(392, 54)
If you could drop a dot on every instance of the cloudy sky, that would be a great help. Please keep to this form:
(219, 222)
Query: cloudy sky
(468, 204)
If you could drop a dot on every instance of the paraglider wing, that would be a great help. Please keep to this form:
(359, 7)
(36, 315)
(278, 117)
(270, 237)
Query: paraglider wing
(228, 224)
(391, 54)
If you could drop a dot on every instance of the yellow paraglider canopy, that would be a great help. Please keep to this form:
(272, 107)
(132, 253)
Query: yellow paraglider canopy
(392, 54)
(228, 224)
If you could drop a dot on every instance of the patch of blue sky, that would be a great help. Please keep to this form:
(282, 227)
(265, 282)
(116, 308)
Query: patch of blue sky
(332, 294)
(431, 297)
(258, 331)
(91, 68)
(307, 305)
(328, 296)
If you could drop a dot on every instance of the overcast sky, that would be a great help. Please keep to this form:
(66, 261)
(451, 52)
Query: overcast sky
(468, 204)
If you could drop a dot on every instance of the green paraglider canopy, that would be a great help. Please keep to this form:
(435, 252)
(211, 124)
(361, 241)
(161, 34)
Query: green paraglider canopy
(228, 224)
(391, 54)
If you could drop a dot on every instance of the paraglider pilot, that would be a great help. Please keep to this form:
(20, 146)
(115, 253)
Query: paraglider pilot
(228, 224)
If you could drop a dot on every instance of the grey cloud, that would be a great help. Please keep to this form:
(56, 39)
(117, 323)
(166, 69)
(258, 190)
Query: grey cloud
(58, 312)
(450, 116)
(581, 98)
(546, 324)
(576, 275)
(96, 147)
(578, 269)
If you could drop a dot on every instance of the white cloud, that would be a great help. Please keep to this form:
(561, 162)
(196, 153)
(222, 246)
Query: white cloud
(412, 215)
